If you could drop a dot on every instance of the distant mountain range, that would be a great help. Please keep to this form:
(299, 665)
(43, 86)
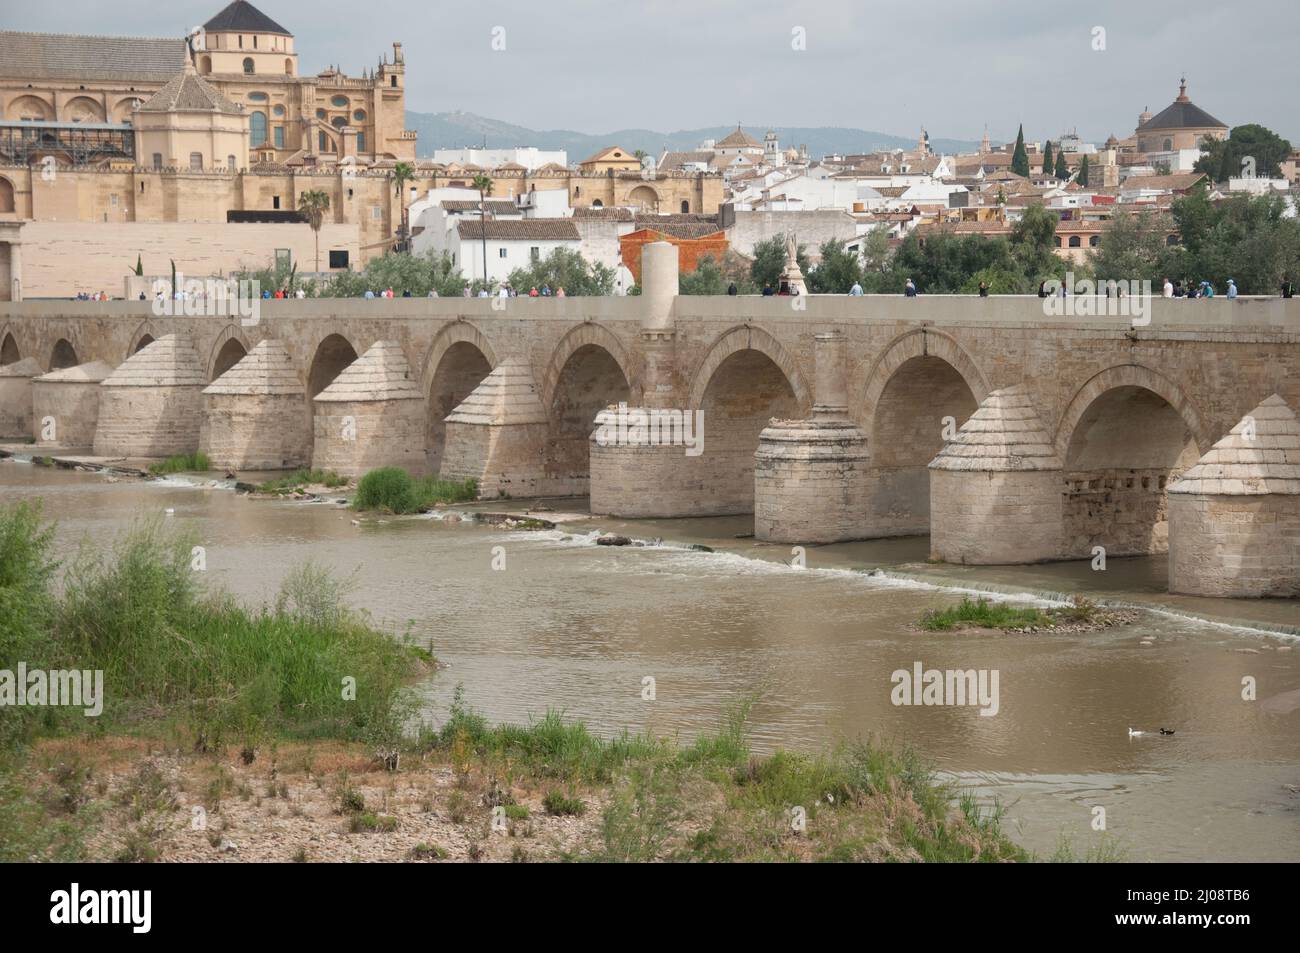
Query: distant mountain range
(460, 130)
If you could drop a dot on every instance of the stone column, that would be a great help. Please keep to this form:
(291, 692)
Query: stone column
(811, 477)
(640, 464)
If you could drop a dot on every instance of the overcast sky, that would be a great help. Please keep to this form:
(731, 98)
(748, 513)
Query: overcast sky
(950, 65)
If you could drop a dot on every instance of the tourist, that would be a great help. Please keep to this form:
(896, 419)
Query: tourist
(984, 289)
(856, 290)
(532, 292)
(503, 292)
(464, 292)
(559, 292)
(1287, 291)
(300, 294)
(910, 288)
(731, 289)
(767, 291)
(546, 291)
(369, 294)
(141, 295)
(483, 292)
(1207, 290)
(433, 292)
(1168, 290)
(1042, 289)
(1232, 288)
(406, 293)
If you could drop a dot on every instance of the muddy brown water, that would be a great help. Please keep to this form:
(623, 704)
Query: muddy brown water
(572, 626)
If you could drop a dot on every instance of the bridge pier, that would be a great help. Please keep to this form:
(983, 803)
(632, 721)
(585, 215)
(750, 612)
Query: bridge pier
(497, 436)
(151, 405)
(996, 487)
(811, 478)
(255, 415)
(16, 398)
(69, 398)
(371, 416)
(1234, 517)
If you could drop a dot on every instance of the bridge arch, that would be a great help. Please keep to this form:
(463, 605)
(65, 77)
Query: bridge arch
(1125, 435)
(920, 379)
(589, 370)
(228, 350)
(62, 355)
(334, 353)
(456, 363)
(10, 353)
(746, 337)
(143, 336)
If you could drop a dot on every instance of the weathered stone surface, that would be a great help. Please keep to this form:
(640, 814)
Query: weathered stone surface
(371, 416)
(255, 416)
(812, 482)
(1234, 518)
(69, 398)
(16, 398)
(151, 405)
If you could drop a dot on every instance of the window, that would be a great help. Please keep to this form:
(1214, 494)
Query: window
(339, 102)
(257, 128)
(288, 67)
(1060, 242)
(361, 142)
(535, 253)
(1094, 241)
(338, 257)
(597, 204)
(277, 110)
(258, 97)
(376, 212)
(320, 114)
(196, 162)
(254, 42)
(279, 137)
(283, 258)
(248, 64)
(686, 206)
(1075, 242)
(157, 160)
(501, 252)
(394, 83)
(230, 163)
(324, 143)
(359, 115)
(1169, 145)
(1171, 240)
(275, 201)
(338, 122)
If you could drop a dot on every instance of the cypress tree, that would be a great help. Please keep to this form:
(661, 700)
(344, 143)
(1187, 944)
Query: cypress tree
(1083, 171)
(1047, 157)
(1020, 158)
(1062, 169)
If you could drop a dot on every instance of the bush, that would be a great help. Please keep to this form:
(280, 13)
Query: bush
(183, 463)
(393, 490)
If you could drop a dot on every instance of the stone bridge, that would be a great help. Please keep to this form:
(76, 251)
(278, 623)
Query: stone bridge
(1007, 432)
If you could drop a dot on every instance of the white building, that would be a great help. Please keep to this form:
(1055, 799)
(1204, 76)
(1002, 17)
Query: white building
(508, 244)
(530, 157)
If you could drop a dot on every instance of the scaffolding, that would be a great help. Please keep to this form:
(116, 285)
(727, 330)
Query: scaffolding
(74, 143)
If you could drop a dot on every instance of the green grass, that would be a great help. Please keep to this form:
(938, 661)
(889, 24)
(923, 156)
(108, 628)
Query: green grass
(393, 490)
(367, 823)
(182, 463)
(301, 478)
(984, 614)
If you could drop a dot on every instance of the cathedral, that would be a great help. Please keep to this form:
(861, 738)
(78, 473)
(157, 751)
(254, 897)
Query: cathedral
(228, 96)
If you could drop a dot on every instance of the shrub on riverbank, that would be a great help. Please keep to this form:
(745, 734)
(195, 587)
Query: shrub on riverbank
(301, 478)
(182, 463)
(1081, 614)
(393, 490)
(224, 672)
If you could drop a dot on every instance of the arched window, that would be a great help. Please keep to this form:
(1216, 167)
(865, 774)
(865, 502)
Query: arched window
(230, 163)
(248, 64)
(338, 122)
(1060, 242)
(361, 142)
(1094, 241)
(686, 206)
(157, 160)
(577, 190)
(598, 204)
(1169, 145)
(288, 67)
(257, 128)
(1075, 242)
(6, 195)
(205, 64)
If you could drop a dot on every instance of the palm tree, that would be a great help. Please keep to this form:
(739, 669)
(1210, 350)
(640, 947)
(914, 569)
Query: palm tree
(312, 206)
(403, 172)
(484, 185)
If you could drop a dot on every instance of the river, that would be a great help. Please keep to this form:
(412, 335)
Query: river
(577, 627)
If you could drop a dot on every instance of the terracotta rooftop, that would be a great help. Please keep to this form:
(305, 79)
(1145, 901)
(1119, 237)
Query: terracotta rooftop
(187, 91)
(52, 55)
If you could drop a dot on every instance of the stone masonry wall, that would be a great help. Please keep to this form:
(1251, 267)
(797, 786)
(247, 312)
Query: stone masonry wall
(1234, 546)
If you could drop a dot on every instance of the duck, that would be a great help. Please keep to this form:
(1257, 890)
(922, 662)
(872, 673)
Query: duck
(1166, 731)
(1134, 734)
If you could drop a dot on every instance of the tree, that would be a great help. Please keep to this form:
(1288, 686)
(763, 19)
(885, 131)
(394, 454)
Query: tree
(567, 269)
(1020, 158)
(1033, 245)
(1047, 157)
(312, 206)
(877, 253)
(706, 279)
(1247, 238)
(1062, 167)
(769, 261)
(837, 272)
(402, 173)
(1083, 171)
(1132, 248)
(484, 185)
(1251, 149)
